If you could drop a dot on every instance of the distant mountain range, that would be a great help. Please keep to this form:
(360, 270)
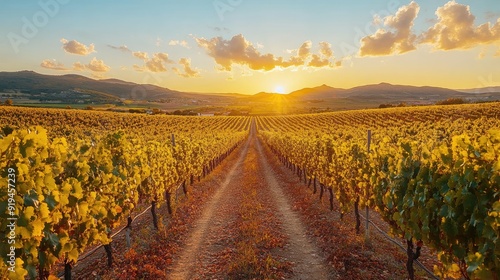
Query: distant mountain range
(481, 90)
(29, 86)
(385, 92)
(32, 82)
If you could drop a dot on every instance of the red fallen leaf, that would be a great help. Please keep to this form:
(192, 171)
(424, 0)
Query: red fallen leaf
(420, 243)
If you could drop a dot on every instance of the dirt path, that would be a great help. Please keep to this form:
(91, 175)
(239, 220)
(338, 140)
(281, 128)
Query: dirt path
(213, 234)
(308, 262)
(197, 249)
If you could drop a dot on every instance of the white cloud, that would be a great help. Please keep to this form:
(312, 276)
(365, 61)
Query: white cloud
(187, 72)
(326, 49)
(53, 65)
(95, 65)
(455, 29)
(122, 48)
(141, 55)
(78, 66)
(155, 64)
(239, 51)
(181, 43)
(319, 62)
(305, 50)
(401, 40)
(75, 47)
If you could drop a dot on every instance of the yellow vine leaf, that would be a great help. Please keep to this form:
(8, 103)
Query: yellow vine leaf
(44, 210)
(38, 226)
(73, 255)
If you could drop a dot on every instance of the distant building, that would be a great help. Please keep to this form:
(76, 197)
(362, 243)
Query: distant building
(206, 114)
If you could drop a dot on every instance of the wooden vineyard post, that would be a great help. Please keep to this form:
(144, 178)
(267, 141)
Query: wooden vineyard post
(128, 230)
(168, 197)
(109, 251)
(172, 138)
(184, 188)
(67, 270)
(330, 190)
(367, 231)
(153, 212)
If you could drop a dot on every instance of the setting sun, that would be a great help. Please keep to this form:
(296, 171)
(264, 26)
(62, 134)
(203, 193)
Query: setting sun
(279, 89)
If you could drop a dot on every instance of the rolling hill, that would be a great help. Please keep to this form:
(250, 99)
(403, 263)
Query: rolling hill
(28, 87)
(33, 83)
(388, 93)
(31, 87)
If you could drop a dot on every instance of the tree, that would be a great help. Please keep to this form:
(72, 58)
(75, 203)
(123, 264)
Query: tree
(383, 106)
(451, 101)
(8, 102)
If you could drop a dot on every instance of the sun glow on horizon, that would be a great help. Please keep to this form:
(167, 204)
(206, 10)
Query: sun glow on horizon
(279, 89)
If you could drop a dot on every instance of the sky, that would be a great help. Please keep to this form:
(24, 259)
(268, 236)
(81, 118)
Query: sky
(249, 46)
